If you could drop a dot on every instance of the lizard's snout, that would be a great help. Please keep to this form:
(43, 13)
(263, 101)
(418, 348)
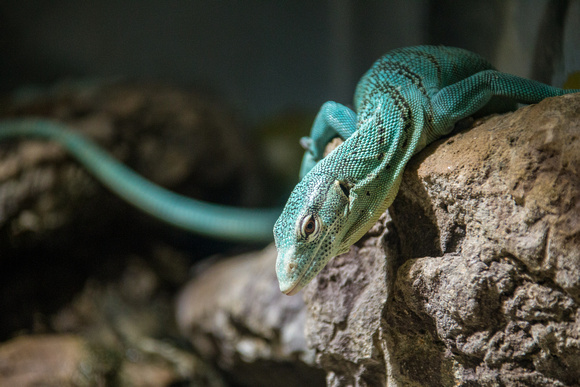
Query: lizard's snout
(286, 271)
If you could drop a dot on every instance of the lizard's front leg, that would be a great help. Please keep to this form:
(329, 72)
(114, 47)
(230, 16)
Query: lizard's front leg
(332, 120)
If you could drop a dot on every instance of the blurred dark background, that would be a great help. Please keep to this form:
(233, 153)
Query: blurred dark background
(265, 57)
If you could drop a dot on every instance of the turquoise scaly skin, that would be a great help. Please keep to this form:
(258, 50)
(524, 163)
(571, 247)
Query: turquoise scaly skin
(409, 98)
(212, 220)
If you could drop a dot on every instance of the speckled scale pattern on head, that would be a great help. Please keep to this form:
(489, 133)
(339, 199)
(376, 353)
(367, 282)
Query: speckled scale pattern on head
(409, 98)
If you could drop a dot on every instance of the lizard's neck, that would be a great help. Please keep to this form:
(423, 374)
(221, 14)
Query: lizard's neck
(389, 132)
(371, 161)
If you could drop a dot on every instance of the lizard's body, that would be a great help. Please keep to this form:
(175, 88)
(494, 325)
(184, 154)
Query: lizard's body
(409, 98)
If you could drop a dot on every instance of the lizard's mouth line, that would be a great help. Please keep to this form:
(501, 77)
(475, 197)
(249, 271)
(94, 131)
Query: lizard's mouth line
(293, 290)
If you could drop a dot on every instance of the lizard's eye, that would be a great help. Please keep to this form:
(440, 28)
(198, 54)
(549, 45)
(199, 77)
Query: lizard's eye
(309, 226)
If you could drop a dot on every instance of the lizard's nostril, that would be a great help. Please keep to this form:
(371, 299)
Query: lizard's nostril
(291, 266)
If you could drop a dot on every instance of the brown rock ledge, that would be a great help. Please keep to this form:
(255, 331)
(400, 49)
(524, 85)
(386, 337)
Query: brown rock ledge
(471, 278)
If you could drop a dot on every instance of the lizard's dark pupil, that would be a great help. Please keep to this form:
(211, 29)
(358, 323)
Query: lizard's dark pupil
(309, 226)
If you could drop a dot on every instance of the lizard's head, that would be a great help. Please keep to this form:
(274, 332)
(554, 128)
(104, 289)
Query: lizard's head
(310, 230)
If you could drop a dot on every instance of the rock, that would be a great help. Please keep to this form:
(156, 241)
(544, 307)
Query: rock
(236, 317)
(471, 278)
(476, 278)
(119, 333)
(54, 360)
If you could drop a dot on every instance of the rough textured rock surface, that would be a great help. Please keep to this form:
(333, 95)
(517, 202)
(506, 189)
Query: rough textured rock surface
(27, 361)
(235, 316)
(472, 277)
(475, 280)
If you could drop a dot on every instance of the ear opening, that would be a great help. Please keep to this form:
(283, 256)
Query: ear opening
(344, 187)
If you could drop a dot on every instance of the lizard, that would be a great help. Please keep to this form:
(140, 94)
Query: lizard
(196, 216)
(409, 98)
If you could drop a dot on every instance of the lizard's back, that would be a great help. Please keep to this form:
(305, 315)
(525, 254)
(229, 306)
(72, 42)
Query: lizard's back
(424, 68)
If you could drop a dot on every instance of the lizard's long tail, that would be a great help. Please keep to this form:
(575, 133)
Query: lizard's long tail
(212, 220)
